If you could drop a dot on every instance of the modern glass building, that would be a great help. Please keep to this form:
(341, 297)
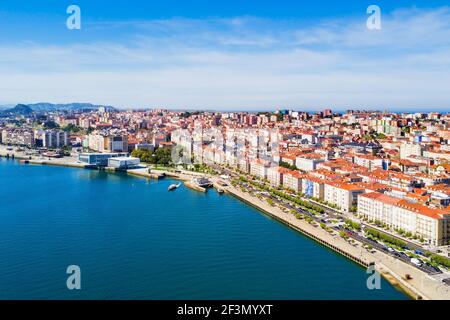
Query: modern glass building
(98, 159)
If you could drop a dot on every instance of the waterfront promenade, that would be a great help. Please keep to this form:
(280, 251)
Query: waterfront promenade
(420, 286)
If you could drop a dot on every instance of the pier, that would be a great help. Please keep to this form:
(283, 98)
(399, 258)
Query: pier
(144, 172)
(194, 187)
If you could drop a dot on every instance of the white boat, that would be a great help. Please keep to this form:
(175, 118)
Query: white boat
(173, 187)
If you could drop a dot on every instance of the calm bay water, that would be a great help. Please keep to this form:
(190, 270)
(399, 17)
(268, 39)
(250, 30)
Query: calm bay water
(134, 240)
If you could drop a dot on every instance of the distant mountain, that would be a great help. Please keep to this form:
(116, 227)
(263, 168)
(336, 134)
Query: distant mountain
(20, 109)
(45, 106)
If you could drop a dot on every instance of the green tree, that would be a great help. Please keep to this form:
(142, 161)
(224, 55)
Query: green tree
(288, 166)
(50, 124)
(72, 128)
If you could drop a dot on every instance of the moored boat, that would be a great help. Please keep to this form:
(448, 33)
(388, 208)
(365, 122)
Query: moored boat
(201, 182)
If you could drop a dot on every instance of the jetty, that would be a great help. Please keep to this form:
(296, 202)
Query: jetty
(194, 186)
(146, 173)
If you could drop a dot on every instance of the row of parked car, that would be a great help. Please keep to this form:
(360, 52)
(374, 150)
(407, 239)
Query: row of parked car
(402, 255)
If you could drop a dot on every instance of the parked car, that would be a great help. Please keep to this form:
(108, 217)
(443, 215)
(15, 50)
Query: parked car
(404, 255)
(429, 265)
(416, 261)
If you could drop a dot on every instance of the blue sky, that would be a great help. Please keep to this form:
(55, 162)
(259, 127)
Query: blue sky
(227, 54)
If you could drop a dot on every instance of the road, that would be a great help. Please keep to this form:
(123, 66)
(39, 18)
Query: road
(335, 215)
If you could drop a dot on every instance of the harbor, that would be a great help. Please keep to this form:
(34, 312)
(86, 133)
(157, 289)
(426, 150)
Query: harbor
(200, 241)
(419, 287)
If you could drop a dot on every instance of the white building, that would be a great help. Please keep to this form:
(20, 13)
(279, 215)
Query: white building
(431, 224)
(123, 162)
(293, 180)
(308, 162)
(275, 175)
(343, 195)
(54, 138)
(409, 149)
(258, 168)
(313, 187)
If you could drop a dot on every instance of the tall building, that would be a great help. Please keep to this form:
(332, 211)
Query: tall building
(54, 138)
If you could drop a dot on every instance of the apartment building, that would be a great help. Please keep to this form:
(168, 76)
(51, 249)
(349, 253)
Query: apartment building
(53, 138)
(275, 175)
(343, 195)
(292, 180)
(409, 149)
(368, 161)
(244, 165)
(308, 162)
(430, 223)
(259, 168)
(313, 187)
(18, 137)
(108, 142)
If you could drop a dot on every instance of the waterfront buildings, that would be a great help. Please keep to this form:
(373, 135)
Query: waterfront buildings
(123, 162)
(432, 224)
(292, 180)
(259, 168)
(18, 137)
(52, 139)
(99, 159)
(108, 142)
(341, 194)
(336, 158)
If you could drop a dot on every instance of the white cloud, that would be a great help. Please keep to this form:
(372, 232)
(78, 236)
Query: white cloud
(243, 62)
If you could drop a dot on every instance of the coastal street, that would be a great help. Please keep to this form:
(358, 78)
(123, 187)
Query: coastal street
(390, 263)
(419, 283)
(323, 218)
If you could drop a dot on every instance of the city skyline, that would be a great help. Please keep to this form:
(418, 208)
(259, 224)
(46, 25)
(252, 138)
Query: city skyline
(253, 58)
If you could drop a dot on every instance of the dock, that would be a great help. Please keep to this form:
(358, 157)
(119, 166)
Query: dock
(195, 187)
(144, 172)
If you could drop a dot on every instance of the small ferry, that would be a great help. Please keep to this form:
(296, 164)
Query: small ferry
(173, 187)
